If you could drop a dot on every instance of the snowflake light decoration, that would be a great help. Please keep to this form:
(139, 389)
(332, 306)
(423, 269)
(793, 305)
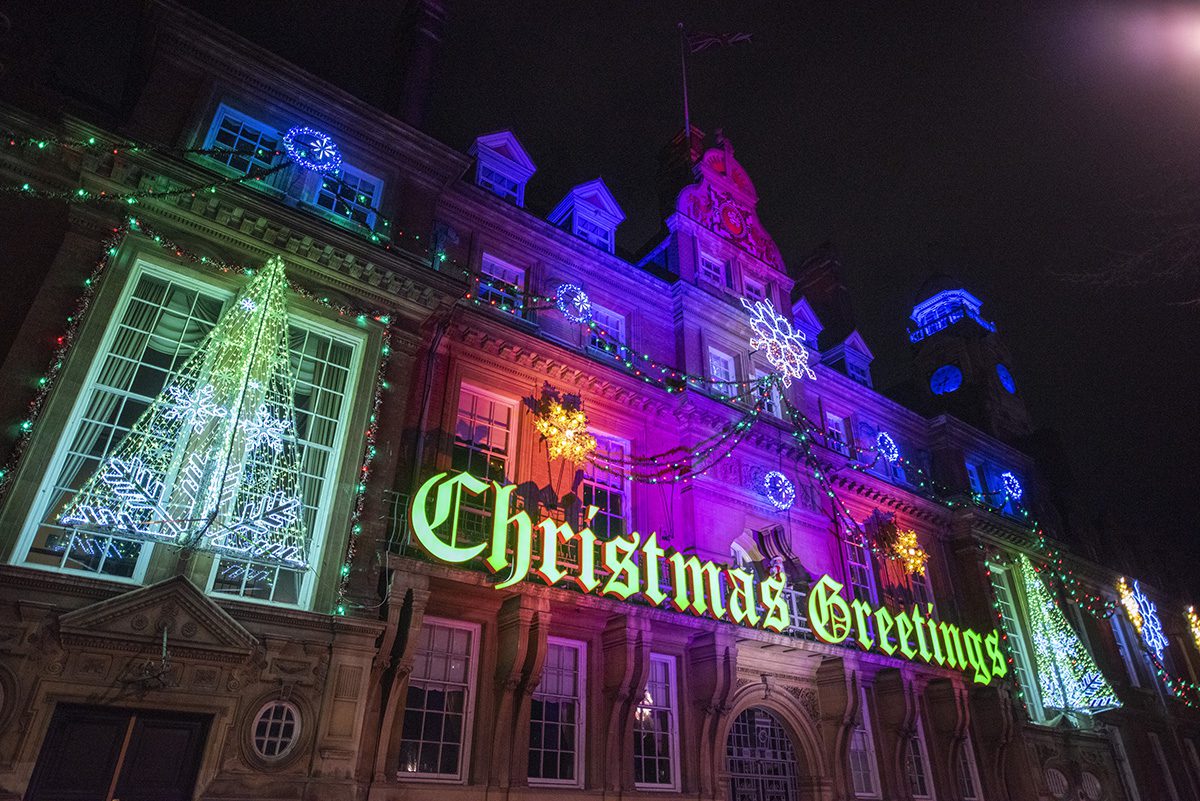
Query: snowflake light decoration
(886, 447)
(1012, 487)
(779, 490)
(1143, 614)
(312, 149)
(193, 407)
(907, 549)
(248, 304)
(782, 345)
(265, 429)
(574, 303)
(563, 425)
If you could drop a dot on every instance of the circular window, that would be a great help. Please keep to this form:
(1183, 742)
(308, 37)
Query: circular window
(1090, 786)
(945, 379)
(1056, 782)
(276, 729)
(1006, 379)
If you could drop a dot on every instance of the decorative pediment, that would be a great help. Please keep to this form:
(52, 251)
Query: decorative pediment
(135, 621)
(503, 167)
(724, 201)
(856, 344)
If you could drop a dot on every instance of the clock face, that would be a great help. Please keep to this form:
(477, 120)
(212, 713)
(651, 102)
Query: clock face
(1006, 379)
(733, 218)
(945, 380)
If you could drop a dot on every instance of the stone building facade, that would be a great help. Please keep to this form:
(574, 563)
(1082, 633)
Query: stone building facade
(425, 322)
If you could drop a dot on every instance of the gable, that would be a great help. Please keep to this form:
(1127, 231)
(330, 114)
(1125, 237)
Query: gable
(503, 146)
(593, 199)
(136, 620)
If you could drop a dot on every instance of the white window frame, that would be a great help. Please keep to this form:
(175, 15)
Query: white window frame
(477, 507)
(976, 480)
(966, 756)
(1124, 642)
(672, 710)
(864, 731)
(602, 236)
(500, 189)
(836, 424)
(918, 740)
(612, 323)
(924, 595)
(1018, 639)
(714, 270)
(464, 758)
(774, 401)
(39, 508)
(597, 478)
(316, 187)
(715, 355)
(508, 273)
(753, 289)
(580, 649)
(210, 139)
(851, 550)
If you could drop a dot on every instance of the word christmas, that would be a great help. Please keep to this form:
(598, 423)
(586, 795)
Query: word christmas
(913, 634)
(625, 567)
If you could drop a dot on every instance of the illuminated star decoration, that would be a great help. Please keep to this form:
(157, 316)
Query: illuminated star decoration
(574, 303)
(1012, 487)
(782, 345)
(779, 490)
(563, 425)
(1194, 625)
(886, 447)
(312, 149)
(908, 550)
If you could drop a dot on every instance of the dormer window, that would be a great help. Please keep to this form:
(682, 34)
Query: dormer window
(713, 270)
(754, 290)
(350, 195)
(502, 166)
(590, 212)
(253, 145)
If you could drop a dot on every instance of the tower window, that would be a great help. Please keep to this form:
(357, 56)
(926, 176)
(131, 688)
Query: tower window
(945, 379)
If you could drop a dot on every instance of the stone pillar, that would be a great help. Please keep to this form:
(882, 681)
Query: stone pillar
(626, 649)
(838, 695)
(946, 729)
(895, 719)
(712, 660)
(521, 630)
(406, 613)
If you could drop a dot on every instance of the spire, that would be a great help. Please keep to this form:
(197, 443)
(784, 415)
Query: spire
(213, 463)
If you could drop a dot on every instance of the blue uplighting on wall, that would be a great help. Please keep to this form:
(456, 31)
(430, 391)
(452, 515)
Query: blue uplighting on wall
(1006, 379)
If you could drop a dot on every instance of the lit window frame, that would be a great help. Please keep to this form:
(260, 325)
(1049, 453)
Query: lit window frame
(672, 710)
(580, 698)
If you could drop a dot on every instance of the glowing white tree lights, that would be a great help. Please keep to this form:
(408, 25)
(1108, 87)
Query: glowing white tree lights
(212, 464)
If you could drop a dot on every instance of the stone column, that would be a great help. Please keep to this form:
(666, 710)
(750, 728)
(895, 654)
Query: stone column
(522, 626)
(626, 649)
(838, 694)
(406, 613)
(712, 661)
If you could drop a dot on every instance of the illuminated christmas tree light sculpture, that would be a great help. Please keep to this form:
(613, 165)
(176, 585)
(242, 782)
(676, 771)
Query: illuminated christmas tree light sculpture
(213, 463)
(1068, 678)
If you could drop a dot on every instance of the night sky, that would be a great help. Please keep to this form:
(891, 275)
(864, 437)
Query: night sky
(1008, 145)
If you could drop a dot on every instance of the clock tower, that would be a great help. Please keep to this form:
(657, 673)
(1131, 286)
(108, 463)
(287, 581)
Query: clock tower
(962, 365)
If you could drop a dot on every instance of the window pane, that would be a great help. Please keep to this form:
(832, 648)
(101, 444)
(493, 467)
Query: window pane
(555, 733)
(438, 702)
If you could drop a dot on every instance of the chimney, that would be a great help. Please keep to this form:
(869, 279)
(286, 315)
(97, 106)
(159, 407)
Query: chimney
(422, 24)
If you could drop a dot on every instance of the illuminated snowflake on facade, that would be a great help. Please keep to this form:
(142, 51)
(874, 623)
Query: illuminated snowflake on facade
(1143, 614)
(886, 447)
(1012, 487)
(779, 490)
(265, 429)
(782, 345)
(195, 408)
(312, 149)
(574, 303)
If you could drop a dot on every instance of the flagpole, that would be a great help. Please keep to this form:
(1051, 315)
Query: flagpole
(687, 119)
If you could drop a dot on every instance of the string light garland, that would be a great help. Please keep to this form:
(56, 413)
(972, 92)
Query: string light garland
(81, 195)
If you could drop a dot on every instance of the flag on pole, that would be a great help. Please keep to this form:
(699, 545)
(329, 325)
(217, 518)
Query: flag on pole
(698, 42)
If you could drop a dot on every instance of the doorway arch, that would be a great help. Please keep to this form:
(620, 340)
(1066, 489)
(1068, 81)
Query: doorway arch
(761, 758)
